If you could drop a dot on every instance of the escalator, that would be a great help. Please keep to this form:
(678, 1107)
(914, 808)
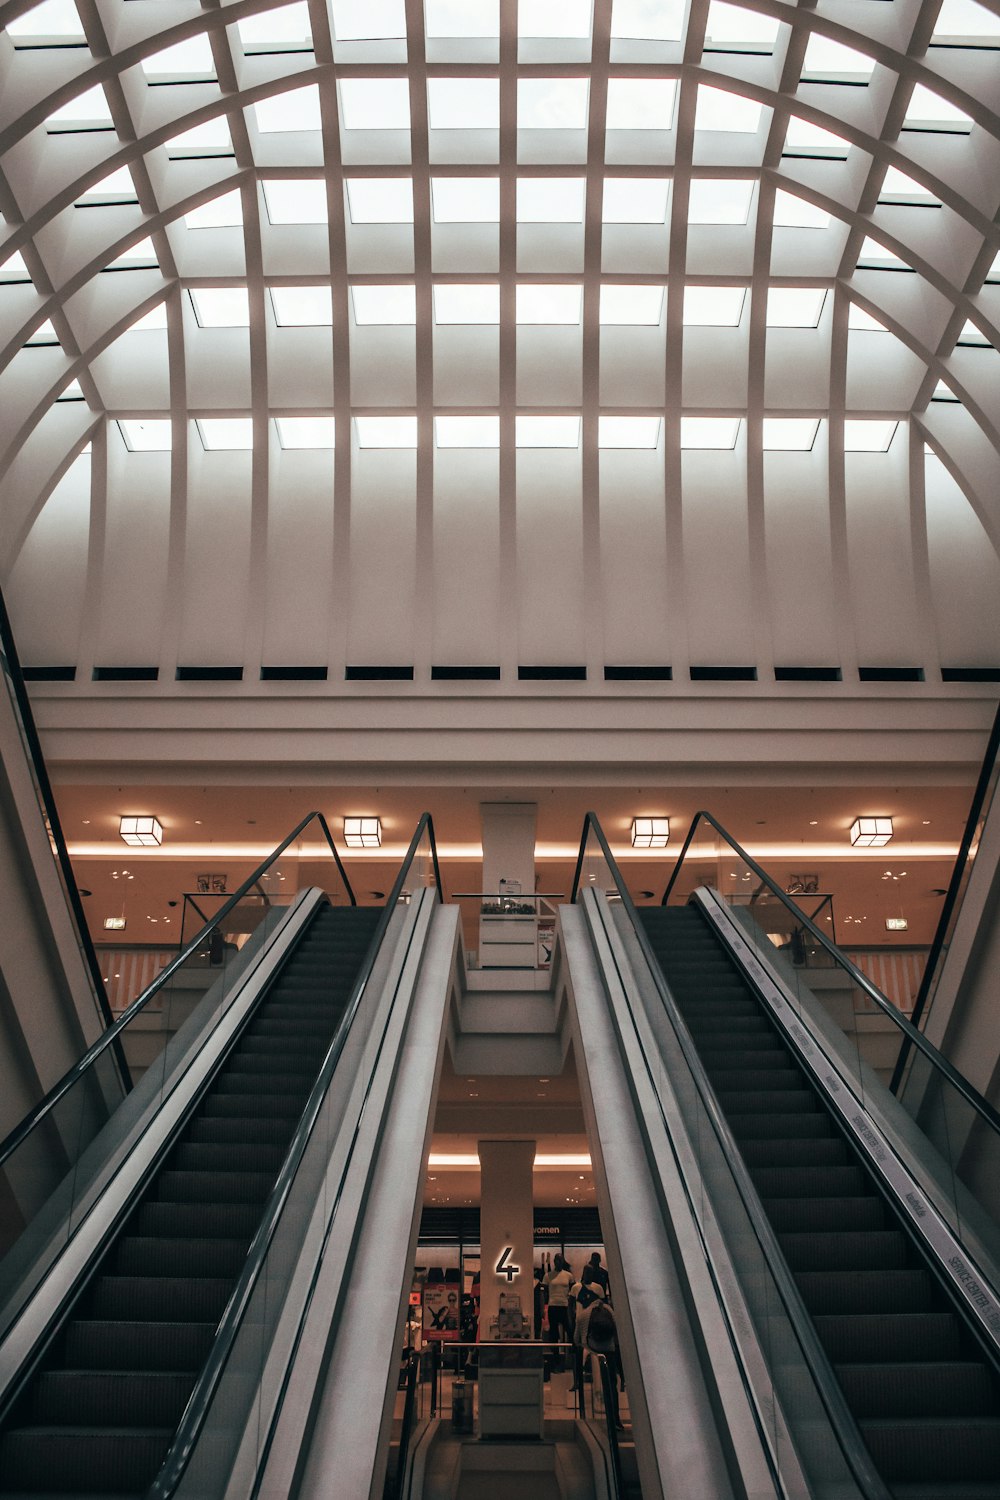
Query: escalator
(923, 1393)
(101, 1406)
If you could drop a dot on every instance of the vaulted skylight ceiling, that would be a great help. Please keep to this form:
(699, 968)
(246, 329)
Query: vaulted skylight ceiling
(626, 227)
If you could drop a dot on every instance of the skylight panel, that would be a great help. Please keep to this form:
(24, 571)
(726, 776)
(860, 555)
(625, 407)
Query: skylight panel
(295, 200)
(233, 434)
(386, 432)
(827, 59)
(647, 20)
(368, 20)
(44, 336)
(287, 26)
(295, 109)
(384, 304)
(71, 392)
(898, 187)
(552, 103)
(152, 322)
(862, 321)
(146, 435)
(380, 200)
(551, 200)
(993, 274)
(794, 307)
(467, 432)
(549, 304)
(562, 20)
(462, 18)
(720, 200)
(465, 302)
(14, 268)
(221, 306)
(943, 392)
(224, 212)
(302, 306)
(803, 136)
(191, 58)
(628, 432)
(547, 432)
(641, 103)
(55, 19)
(791, 212)
(874, 255)
(732, 25)
(631, 304)
(789, 434)
(973, 337)
(714, 306)
(709, 432)
(117, 187)
(210, 136)
(928, 111)
(718, 109)
(967, 20)
(868, 435)
(636, 200)
(306, 432)
(141, 254)
(465, 200)
(463, 103)
(88, 110)
(374, 103)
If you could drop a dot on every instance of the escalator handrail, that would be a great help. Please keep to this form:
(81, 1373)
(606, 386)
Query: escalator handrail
(608, 1378)
(109, 1038)
(15, 677)
(406, 1426)
(195, 1413)
(841, 1418)
(971, 1095)
(987, 773)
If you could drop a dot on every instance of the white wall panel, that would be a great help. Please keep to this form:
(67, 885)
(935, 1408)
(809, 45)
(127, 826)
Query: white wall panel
(214, 600)
(720, 606)
(548, 611)
(633, 558)
(801, 595)
(965, 575)
(134, 577)
(299, 558)
(468, 619)
(882, 599)
(383, 557)
(46, 588)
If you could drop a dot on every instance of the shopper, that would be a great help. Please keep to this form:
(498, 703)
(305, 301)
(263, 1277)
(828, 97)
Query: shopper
(596, 1333)
(557, 1287)
(599, 1274)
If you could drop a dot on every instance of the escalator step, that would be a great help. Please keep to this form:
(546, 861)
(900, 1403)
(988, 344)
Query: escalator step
(816, 1215)
(838, 1251)
(92, 1344)
(213, 1187)
(220, 1106)
(826, 1151)
(227, 1156)
(924, 1448)
(139, 1255)
(86, 1460)
(217, 1131)
(808, 1182)
(762, 1127)
(291, 1086)
(736, 1026)
(237, 1221)
(166, 1299)
(109, 1398)
(869, 1338)
(755, 1056)
(930, 1389)
(905, 1291)
(785, 1101)
(783, 1080)
(255, 1066)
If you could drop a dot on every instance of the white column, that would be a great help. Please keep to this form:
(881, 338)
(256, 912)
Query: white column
(507, 1230)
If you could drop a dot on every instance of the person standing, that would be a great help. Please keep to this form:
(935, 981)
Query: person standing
(597, 1333)
(557, 1288)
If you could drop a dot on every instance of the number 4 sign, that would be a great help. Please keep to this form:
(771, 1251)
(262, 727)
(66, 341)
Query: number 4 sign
(505, 1268)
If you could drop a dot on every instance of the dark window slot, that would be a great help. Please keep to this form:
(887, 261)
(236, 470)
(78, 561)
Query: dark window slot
(638, 674)
(891, 674)
(465, 674)
(552, 674)
(126, 674)
(807, 674)
(378, 674)
(723, 674)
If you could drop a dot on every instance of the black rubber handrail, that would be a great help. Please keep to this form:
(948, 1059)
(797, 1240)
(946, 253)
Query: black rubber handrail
(840, 1416)
(944, 1068)
(406, 1426)
(50, 813)
(198, 1406)
(987, 772)
(608, 1378)
(110, 1037)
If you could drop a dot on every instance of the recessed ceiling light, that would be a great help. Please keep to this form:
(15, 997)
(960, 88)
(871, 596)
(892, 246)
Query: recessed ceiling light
(871, 833)
(363, 833)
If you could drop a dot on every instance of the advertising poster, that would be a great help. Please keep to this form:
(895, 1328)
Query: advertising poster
(442, 1306)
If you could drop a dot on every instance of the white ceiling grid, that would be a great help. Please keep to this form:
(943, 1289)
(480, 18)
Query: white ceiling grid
(208, 215)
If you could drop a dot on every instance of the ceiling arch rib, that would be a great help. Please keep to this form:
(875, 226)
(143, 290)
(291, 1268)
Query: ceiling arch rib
(708, 367)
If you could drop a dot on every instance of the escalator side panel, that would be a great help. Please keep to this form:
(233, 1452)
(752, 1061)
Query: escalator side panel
(99, 1414)
(924, 1398)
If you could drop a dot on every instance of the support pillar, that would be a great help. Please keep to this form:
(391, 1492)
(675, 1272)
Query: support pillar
(507, 1225)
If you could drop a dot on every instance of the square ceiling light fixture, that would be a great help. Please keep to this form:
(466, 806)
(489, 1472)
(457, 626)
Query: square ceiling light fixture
(871, 833)
(650, 833)
(142, 832)
(363, 833)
